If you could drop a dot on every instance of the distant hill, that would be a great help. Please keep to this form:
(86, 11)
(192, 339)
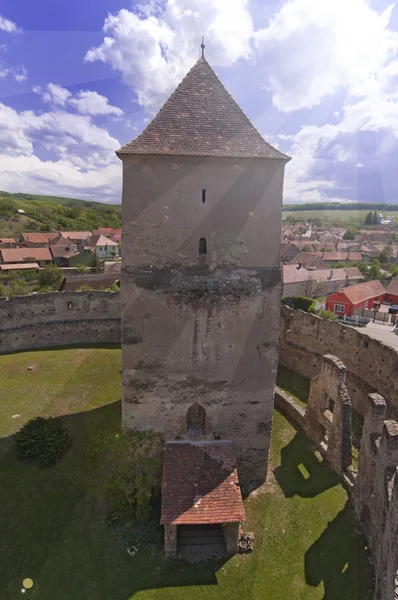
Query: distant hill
(339, 206)
(53, 213)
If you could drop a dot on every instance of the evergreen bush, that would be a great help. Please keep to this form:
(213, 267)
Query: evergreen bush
(42, 439)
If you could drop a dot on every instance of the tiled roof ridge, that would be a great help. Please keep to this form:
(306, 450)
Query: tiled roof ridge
(157, 139)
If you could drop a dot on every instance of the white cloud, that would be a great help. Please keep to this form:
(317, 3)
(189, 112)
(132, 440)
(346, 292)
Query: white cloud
(85, 102)
(92, 103)
(53, 94)
(82, 161)
(18, 73)
(7, 25)
(154, 49)
(59, 177)
(315, 48)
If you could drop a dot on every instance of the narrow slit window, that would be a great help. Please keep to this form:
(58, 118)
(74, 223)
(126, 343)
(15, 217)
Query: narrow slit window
(202, 246)
(203, 196)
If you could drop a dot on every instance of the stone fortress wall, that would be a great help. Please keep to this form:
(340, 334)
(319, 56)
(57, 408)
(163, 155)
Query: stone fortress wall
(371, 365)
(58, 319)
(61, 318)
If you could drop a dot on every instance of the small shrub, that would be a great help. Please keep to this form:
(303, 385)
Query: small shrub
(327, 314)
(82, 269)
(302, 303)
(43, 439)
(52, 276)
(125, 469)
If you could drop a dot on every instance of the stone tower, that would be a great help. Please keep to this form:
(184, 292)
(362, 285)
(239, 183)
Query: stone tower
(201, 216)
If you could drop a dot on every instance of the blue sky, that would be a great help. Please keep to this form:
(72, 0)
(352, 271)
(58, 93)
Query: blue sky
(318, 79)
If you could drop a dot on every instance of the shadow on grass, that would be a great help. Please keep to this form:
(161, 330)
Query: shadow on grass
(340, 559)
(52, 530)
(295, 384)
(300, 471)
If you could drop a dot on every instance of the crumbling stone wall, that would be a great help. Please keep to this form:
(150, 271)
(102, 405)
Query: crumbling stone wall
(375, 494)
(371, 365)
(58, 318)
(328, 416)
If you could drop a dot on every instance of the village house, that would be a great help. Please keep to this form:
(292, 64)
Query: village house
(76, 236)
(392, 292)
(333, 257)
(367, 296)
(37, 240)
(7, 242)
(103, 246)
(19, 255)
(299, 281)
(19, 267)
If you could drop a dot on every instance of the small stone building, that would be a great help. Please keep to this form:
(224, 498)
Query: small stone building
(201, 281)
(201, 488)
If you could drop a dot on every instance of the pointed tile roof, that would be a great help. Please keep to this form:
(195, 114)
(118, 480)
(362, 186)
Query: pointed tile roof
(201, 118)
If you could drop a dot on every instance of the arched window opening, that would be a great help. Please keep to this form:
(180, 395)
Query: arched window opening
(196, 420)
(203, 196)
(202, 246)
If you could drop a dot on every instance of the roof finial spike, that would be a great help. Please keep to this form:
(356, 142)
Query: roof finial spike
(202, 45)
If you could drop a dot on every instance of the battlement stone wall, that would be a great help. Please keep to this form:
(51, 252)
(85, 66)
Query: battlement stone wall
(371, 365)
(57, 319)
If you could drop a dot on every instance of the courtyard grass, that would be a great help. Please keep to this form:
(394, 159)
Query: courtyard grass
(307, 545)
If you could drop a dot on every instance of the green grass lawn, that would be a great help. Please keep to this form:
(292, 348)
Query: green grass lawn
(307, 545)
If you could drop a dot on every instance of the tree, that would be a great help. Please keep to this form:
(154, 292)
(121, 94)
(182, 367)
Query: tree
(126, 469)
(306, 249)
(374, 271)
(369, 219)
(350, 234)
(375, 218)
(18, 287)
(384, 257)
(8, 205)
(313, 288)
(52, 276)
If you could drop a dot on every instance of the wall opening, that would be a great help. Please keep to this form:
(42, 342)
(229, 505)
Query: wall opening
(202, 246)
(196, 420)
(203, 196)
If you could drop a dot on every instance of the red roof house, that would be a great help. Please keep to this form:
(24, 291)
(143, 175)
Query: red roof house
(366, 295)
(18, 255)
(392, 292)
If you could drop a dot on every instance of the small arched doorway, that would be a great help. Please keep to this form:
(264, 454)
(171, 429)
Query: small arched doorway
(196, 420)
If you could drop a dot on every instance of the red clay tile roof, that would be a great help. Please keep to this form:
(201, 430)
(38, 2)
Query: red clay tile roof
(76, 235)
(63, 251)
(39, 238)
(291, 274)
(342, 256)
(393, 287)
(363, 291)
(13, 255)
(200, 484)
(7, 241)
(201, 118)
(19, 266)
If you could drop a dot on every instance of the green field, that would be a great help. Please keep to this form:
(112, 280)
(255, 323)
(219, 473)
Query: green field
(307, 545)
(345, 215)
